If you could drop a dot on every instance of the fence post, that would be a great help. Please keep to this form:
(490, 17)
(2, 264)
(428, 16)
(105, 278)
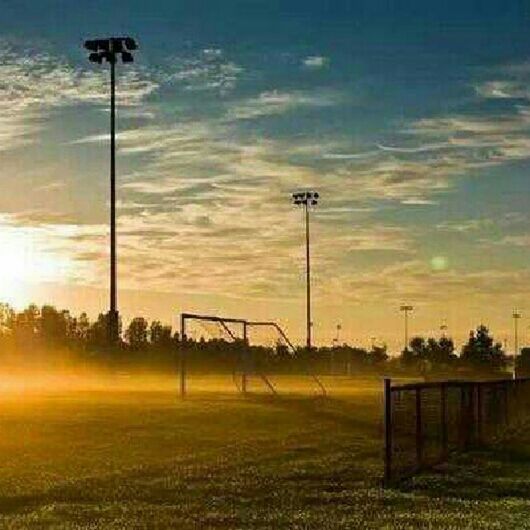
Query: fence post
(472, 414)
(419, 430)
(462, 420)
(506, 404)
(388, 430)
(443, 421)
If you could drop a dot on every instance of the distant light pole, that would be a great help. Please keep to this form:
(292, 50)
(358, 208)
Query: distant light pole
(335, 346)
(337, 336)
(307, 199)
(108, 50)
(516, 316)
(406, 309)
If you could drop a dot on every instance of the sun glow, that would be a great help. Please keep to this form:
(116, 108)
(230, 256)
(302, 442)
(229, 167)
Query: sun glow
(25, 261)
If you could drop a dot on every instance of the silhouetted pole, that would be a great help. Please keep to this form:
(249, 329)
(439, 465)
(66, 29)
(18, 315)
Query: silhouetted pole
(406, 309)
(108, 50)
(516, 316)
(308, 278)
(307, 199)
(113, 314)
(182, 356)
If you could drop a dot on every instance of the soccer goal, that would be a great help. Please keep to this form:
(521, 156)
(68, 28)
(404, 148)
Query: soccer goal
(273, 336)
(234, 345)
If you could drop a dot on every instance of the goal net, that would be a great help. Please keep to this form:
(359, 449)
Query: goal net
(218, 345)
(285, 359)
(248, 350)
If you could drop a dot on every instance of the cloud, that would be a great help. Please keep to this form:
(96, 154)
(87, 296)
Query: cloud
(418, 149)
(34, 83)
(207, 70)
(277, 102)
(418, 202)
(350, 156)
(315, 62)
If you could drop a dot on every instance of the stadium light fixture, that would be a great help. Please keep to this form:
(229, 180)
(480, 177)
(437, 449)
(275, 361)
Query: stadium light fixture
(307, 200)
(406, 309)
(110, 50)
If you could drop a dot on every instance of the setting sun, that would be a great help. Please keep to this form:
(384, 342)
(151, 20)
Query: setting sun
(24, 262)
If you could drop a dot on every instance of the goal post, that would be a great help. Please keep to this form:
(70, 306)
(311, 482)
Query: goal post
(223, 323)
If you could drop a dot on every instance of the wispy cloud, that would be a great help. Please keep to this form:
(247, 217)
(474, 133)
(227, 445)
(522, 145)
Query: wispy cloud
(33, 83)
(206, 70)
(315, 62)
(277, 102)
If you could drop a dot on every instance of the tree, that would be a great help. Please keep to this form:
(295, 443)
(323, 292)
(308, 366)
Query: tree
(440, 353)
(522, 363)
(54, 325)
(136, 334)
(159, 335)
(414, 353)
(481, 353)
(377, 355)
(98, 334)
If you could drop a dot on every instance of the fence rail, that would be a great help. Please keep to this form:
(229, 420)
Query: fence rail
(425, 422)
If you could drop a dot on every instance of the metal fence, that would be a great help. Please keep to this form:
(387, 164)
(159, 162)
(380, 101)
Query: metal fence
(425, 422)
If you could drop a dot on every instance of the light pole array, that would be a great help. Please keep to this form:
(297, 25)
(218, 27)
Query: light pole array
(406, 309)
(109, 50)
(307, 199)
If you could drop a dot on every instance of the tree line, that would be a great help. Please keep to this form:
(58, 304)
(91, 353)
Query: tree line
(46, 329)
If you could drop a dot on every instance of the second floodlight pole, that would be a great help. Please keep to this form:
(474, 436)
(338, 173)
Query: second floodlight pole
(308, 277)
(406, 309)
(113, 281)
(306, 199)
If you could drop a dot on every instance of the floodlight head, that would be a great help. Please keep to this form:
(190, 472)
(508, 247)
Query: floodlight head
(130, 43)
(109, 49)
(316, 195)
(100, 44)
(91, 45)
(127, 57)
(95, 57)
(117, 45)
(109, 57)
(406, 308)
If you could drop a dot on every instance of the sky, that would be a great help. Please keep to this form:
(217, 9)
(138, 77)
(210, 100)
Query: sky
(411, 119)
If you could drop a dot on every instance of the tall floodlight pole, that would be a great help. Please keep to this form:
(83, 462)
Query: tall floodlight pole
(109, 50)
(306, 199)
(516, 316)
(406, 309)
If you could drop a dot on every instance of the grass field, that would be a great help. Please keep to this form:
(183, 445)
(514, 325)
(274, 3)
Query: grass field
(120, 453)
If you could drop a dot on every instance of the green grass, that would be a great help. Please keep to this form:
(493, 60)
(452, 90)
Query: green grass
(114, 454)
